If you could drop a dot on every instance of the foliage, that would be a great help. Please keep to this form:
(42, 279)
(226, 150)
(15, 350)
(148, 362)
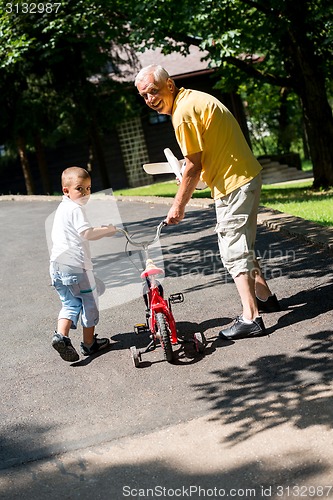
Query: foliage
(265, 107)
(247, 33)
(278, 42)
(60, 71)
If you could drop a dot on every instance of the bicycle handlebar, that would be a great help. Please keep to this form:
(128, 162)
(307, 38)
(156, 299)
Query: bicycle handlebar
(142, 244)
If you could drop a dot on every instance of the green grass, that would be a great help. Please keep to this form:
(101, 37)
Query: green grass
(300, 200)
(297, 199)
(165, 189)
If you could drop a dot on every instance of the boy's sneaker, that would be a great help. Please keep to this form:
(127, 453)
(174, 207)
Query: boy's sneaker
(96, 346)
(269, 305)
(64, 347)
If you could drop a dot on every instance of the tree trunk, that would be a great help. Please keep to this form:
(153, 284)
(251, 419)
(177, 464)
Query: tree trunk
(283, 139)
(99, 155)
(237, 108)
(97, 147)
(25, 165)
(319, 128)
(42, 165)
(309, 82)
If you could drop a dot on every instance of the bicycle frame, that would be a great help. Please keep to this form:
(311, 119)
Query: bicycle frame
(156, 302)
(159, 318)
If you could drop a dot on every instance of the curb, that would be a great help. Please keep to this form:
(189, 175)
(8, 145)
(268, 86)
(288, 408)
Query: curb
(307, 231)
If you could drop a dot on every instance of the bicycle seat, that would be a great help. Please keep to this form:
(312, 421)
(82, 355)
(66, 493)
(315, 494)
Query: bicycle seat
(151, 269)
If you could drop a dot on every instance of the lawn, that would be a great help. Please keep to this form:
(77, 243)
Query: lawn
(300, 200)
(297, 199)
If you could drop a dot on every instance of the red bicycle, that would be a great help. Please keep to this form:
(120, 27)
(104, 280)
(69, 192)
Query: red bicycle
(160, 321)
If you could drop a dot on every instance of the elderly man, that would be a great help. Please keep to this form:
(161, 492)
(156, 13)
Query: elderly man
(216, 152)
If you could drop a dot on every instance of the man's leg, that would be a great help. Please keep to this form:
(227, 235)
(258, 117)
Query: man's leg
(262, 289)
(236, 228)
(245, 283)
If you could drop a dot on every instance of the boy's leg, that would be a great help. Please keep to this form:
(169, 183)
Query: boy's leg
(67, 319)
(90, 316)
(63, 345)
(91, 343)
(88, 335)
(64, 325)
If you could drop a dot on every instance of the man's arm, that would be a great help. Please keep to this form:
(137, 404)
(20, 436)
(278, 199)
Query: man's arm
(190, 179)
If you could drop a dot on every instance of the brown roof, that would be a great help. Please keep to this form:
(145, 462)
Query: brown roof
(176, 64)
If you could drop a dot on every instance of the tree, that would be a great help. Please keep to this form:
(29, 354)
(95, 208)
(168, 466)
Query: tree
(273, 117)
(60, 65)
(285, 43)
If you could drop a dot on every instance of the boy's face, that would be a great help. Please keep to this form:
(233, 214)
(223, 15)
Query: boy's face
(78, 190)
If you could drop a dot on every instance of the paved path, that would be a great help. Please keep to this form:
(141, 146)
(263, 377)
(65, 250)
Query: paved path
(252, 419)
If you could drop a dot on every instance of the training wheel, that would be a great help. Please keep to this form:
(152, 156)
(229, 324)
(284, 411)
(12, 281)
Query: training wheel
(200, 342)
(135, 355)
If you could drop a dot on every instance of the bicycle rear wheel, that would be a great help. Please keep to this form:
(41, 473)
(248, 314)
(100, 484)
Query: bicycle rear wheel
(164, 332)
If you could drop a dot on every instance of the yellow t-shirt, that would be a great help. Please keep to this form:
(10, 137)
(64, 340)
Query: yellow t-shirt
(202, 123)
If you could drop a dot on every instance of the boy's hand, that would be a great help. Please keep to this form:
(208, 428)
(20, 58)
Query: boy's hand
(96, 233)
(112, 229)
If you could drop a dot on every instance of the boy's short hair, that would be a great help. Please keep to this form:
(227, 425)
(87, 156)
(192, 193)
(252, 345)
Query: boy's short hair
(72, 173)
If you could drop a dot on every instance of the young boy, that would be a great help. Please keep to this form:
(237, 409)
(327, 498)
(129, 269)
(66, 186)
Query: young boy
(71, 267)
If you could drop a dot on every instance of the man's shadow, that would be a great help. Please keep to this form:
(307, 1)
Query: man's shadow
(305, 305)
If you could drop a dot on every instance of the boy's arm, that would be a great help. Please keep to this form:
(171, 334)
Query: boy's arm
(96, 233)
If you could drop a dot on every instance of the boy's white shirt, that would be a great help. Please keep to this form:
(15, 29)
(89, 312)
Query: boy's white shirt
(68, 247)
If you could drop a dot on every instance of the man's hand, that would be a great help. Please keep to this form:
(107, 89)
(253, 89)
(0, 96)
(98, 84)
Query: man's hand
(175, 215)
(190, 179)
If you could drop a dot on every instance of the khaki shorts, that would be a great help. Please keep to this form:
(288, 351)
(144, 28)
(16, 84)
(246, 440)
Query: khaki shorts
(236, 227)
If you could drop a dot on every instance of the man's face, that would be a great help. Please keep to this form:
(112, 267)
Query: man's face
(159, 96)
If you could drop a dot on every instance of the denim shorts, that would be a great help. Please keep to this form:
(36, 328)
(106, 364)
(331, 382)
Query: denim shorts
(78, 293)
(236, 227)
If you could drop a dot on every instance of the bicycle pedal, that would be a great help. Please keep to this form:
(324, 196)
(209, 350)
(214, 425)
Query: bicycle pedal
(140, 328)
(176, 298)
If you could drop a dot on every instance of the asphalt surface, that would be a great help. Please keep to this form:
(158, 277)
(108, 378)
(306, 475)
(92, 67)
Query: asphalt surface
(250, 419)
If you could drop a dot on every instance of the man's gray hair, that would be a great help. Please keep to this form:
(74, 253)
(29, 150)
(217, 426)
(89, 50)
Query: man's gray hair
(159, 73)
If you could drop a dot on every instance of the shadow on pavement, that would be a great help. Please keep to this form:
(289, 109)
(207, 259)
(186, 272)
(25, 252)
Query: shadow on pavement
(275, 389)
(154, 479)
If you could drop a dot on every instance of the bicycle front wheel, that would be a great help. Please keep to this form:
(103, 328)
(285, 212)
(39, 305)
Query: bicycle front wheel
(164, 331)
